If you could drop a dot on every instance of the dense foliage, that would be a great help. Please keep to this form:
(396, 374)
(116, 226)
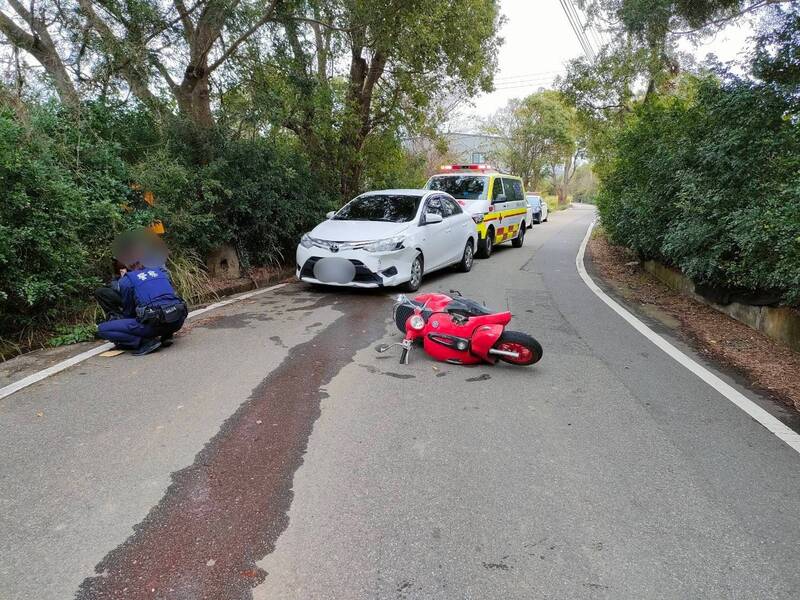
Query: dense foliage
(69, 182)
(711, 184)
(247, 121)
(61, 198)
(703, 171)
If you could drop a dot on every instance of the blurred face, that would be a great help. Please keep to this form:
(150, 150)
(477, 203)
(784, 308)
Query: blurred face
(142, 247)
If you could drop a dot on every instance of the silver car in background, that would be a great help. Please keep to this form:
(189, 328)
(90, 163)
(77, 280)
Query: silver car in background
(538, 210)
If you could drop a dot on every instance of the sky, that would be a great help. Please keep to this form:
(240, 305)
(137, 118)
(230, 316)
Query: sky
(538, 43)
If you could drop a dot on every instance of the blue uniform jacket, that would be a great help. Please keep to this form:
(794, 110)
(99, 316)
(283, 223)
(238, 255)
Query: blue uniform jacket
(149, 286)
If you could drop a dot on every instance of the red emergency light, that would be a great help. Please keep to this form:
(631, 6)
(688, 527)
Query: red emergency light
(467, 168)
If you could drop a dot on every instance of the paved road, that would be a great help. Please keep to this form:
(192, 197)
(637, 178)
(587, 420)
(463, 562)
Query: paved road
(271, 453)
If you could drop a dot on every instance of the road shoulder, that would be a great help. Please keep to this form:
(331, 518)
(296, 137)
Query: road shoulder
(764, 365)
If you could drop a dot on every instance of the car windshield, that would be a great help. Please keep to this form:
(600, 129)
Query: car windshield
(462, 187)
(380, 207)
(534, 200)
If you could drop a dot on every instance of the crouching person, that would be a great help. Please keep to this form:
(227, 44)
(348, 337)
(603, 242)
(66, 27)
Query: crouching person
(151, 311)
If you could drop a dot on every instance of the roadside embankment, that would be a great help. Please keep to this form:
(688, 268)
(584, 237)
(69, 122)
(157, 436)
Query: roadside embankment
(769, 365)
(779, 323)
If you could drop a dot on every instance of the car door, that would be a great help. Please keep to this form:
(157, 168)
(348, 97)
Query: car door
(499, 204)
(435, 235)
(515, 207)
(460, 226)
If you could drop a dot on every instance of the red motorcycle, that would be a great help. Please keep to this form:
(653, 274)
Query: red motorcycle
(460, 331)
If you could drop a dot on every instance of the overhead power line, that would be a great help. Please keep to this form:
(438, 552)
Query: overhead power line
(508, 78)
(581, 28)
(578, 28)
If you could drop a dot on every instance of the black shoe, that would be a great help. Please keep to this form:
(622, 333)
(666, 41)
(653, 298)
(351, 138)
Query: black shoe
(166, 340)
(148, 346)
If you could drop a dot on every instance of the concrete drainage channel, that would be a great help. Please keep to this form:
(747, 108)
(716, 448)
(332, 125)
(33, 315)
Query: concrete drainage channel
(778, 323)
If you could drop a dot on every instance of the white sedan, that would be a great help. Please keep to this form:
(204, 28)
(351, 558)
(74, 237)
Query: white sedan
(387, 238)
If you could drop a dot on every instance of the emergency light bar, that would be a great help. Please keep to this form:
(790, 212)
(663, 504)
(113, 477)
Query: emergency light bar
(467, 168)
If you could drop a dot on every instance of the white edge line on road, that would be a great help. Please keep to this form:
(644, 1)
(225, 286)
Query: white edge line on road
(774, 425)
(79, 358)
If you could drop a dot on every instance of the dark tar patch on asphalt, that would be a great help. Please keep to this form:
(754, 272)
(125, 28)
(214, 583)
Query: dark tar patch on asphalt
(224, 513)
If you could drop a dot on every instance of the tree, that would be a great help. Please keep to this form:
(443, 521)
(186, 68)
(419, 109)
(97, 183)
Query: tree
(539, 136)
(29, 32)
(777, 55)
(152, 47)
(401, 57)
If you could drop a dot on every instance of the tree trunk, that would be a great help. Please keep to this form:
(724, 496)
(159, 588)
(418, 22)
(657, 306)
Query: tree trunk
(193, 96)
(358, 125)
(40, 45)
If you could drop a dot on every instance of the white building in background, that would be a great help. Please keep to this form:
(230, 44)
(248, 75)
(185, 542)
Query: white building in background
(461, 148)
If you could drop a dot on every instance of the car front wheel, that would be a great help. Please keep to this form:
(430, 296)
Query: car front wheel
(412, 285)
(467, 259)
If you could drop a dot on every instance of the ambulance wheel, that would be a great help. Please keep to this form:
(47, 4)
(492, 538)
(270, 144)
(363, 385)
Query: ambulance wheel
(486, 245)
(529, 350)
(520, 239)
(417, 268)
(467, 259)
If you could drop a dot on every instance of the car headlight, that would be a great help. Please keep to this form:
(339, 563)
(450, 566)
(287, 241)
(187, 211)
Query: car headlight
(477, 218)
(306, 241)
(387, 245)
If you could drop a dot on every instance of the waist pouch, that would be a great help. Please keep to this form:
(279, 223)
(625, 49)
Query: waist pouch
(162, 315)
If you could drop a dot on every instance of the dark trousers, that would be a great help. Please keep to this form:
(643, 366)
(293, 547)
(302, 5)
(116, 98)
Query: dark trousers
(110, 300)
(130, 333)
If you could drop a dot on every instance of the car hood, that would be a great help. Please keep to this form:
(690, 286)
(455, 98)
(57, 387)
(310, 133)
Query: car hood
(356, 231)
(474, 207)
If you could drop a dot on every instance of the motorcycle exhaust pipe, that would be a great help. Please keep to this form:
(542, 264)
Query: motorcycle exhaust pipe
(504, 353)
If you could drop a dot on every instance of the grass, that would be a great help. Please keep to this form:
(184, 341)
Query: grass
(189, 276)
(552, 202)
(191, 279)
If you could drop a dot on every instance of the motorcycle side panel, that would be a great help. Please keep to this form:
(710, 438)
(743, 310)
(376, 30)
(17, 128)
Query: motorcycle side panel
(484, 338)
(433, 302)
(447, 354)
(443, 324)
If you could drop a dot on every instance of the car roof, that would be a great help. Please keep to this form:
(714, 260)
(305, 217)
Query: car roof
(476, 173)
(401, 192)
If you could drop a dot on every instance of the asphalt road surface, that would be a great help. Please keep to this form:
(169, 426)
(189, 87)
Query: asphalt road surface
(272, 453)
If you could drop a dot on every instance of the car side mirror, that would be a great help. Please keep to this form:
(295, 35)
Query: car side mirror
(431, 218)
(329, 215)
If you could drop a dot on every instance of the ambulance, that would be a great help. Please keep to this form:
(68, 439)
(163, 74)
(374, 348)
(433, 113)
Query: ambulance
(494, 200)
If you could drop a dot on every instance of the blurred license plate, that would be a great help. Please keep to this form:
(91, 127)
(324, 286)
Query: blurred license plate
(334, 270)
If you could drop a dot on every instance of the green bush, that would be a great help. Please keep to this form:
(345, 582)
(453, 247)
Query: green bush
(61, 199)
(70, 182)
(710, 183)
(256, 195)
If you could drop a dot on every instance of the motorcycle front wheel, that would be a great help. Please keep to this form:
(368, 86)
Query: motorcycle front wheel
(529, 350)
(402, 313)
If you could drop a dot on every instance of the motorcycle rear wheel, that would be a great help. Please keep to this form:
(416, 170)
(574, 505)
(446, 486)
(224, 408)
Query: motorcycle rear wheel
(529, 350)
